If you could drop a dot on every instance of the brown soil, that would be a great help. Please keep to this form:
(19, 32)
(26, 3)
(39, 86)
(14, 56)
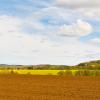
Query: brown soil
(27, 87)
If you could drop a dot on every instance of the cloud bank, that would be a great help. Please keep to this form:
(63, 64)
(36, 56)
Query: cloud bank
(51, 32)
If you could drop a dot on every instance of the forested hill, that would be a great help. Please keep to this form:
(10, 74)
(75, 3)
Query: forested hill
(86, 65)
(90, 65)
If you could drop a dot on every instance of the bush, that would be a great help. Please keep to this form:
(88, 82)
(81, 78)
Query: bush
(85, 73)
(60, 73)
(92, 73)
(79, 73)
(68, 73)
(97, 73)
(12, 72)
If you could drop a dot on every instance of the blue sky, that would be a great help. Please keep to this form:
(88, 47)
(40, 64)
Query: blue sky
(49, 31)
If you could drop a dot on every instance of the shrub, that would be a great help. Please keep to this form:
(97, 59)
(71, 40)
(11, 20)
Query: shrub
(68, 73)
(85, 73)
(97, 73)
(79, 73)
(92, 73)
(12, 72)
(60, 73)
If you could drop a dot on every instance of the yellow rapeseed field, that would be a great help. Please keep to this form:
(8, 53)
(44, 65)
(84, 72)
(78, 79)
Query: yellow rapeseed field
(38, 72)
(35, 72)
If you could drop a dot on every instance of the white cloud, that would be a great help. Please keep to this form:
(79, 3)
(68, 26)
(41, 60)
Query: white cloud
(92, 13)
(86, 8)
(55, 14)
(80, 28)
(9, 24)
(56, 31)
(17, 47)
(95, 41)
(78, 3)
(58, 22)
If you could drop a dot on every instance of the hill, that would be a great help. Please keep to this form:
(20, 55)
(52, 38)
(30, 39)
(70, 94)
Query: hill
(90, 65)
(85, 65)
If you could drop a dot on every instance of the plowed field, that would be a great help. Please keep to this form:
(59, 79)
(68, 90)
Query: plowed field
(28, 87)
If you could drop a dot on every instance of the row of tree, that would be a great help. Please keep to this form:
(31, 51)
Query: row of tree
(79, 73)
(93, 65)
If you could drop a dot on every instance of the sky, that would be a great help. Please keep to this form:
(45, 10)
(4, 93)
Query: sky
(61, 32)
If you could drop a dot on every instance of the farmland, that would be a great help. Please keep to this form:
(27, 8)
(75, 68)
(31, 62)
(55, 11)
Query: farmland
(53, 72)
(48, 87)
(50, 82)
(33, 72)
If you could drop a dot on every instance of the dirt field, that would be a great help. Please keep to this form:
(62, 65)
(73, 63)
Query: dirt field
(27, 87)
